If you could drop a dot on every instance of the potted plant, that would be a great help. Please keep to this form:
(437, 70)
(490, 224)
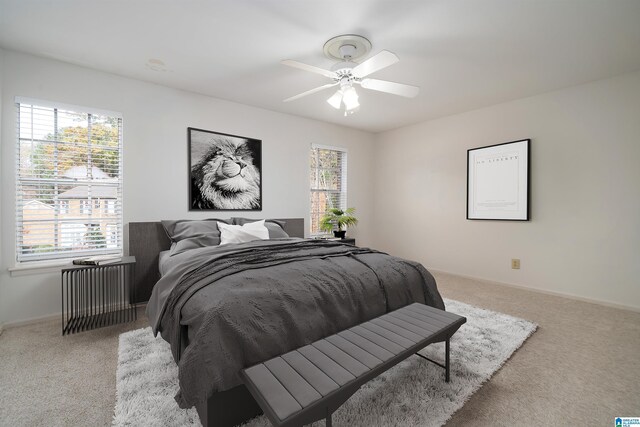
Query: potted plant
(338, 218)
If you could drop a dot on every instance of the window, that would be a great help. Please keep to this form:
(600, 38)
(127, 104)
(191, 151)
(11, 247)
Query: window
(69, 158)
(328, 182)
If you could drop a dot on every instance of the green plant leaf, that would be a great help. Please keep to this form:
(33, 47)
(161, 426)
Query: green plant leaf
(337, 217)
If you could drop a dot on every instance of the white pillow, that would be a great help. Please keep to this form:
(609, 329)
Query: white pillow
(242, 233)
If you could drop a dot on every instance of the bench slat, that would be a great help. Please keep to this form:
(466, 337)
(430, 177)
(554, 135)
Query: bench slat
(377, 339)
(417, 311)
(354, 351)
(278, 398)
(367, 345)
(340, 357)
(438, 324)
(320, 381)
(426, 317)
(297, 386)
(412, 336)
(402, 322)
(432, 312)
(327, 365)
(418, 323)
(392, 336)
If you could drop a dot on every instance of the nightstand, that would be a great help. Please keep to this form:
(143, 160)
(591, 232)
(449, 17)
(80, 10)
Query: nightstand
(348, 241)
(94, 296)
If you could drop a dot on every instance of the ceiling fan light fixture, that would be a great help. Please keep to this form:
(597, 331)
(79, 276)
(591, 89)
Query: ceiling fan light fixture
(350, 98)
(336, 99)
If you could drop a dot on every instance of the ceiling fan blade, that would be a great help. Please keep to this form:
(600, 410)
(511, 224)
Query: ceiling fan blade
(309, 92)
(391, 87)
(306, 67)
(375, 63)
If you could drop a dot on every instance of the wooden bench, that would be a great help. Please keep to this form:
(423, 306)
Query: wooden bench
(310, 383)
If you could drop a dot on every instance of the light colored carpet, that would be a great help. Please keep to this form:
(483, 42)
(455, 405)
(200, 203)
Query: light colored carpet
(581, 367)
(413, 393)
(50, 380)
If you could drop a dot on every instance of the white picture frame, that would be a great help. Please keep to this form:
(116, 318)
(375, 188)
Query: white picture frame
(498, 182)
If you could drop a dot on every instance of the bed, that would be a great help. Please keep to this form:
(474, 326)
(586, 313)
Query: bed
(223, 308)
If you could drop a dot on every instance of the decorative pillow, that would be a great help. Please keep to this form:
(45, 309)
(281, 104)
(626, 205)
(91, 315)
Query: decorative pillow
(188, 234)
(275, 227)
(243, 233)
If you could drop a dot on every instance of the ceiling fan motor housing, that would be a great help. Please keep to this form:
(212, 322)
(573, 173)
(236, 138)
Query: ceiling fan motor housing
(348, 51)
(343, 69)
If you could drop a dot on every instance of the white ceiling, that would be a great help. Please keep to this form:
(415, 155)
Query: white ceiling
(464, 54)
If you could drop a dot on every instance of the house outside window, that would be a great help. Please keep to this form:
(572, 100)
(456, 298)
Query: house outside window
(69, 163)
(112, 236)
(72, 235)
(85, 207)
(328, 179)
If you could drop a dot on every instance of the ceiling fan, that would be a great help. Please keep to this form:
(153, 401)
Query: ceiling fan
(347, 73)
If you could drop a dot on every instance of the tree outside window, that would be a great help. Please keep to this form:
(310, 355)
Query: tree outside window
(328, 179)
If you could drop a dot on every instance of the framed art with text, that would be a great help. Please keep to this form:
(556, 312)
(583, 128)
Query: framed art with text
(225, 172)
(498, 181)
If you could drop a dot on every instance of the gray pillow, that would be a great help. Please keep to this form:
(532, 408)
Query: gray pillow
(190, 234)
(275, 227)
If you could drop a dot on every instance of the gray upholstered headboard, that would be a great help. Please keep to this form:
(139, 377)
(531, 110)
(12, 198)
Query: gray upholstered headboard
(148, 239)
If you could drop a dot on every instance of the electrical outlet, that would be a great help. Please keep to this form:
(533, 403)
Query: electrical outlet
(515, 264)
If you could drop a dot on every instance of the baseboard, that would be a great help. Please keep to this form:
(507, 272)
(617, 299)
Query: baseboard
(544, 291)
(46, 318)
(31, 320)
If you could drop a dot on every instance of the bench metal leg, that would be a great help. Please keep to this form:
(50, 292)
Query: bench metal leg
(328, 421)
(447, 363)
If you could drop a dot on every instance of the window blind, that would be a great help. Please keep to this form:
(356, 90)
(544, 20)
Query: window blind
(68, 181)
(328, 178)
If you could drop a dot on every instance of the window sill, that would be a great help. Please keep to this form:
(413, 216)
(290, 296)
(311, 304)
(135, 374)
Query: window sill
(43, 267)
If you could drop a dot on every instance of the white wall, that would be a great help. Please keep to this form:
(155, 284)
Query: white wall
(584, 236)
(155, 157)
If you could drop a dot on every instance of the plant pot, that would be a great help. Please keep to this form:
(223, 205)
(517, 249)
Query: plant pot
(341, 234)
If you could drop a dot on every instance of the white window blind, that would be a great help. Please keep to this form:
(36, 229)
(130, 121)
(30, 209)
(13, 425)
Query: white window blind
(328, 182)
(68, 181)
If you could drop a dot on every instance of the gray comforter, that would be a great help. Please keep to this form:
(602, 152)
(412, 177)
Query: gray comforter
(224, 308)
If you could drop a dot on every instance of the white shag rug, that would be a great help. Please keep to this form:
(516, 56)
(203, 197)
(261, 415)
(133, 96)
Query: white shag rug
(413, 393)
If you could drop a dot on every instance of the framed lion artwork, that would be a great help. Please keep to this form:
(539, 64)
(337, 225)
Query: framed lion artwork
(225, 172)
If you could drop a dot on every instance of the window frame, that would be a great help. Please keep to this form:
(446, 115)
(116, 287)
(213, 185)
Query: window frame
(57, 256)
(342, 192)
